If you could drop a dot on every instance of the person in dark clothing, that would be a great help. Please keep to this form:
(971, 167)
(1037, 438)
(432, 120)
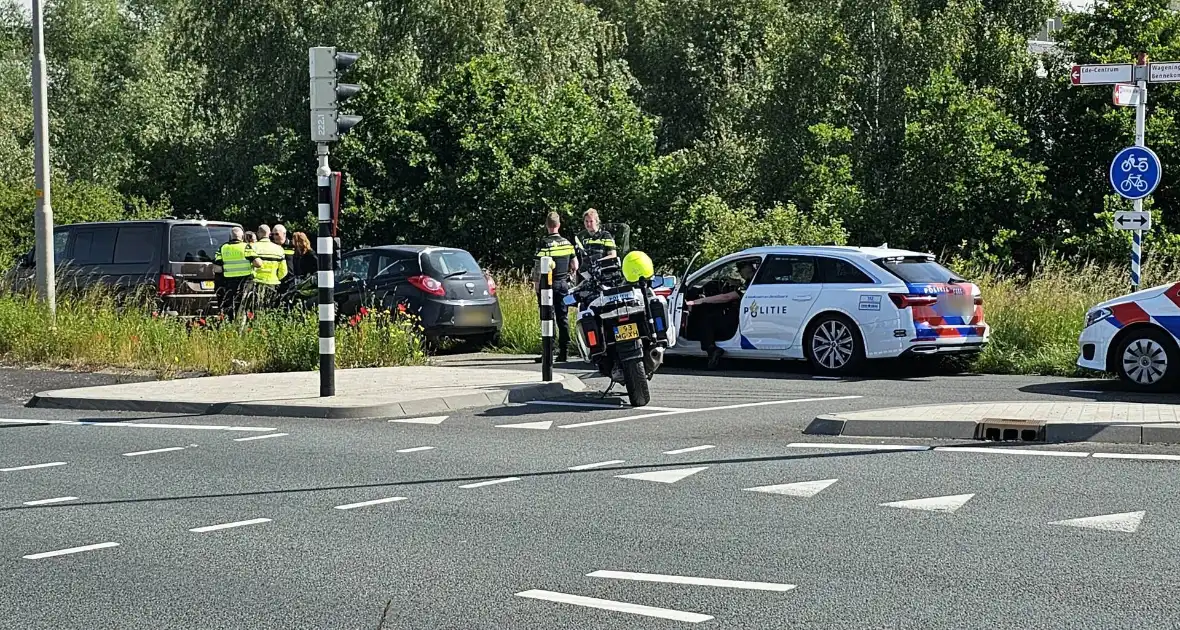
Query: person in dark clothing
(706, 311)
(305, 260)
(565, 262)
(597, 242)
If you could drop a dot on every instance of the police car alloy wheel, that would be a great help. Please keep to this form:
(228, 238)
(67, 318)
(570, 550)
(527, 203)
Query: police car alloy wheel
(833, 346)
(1147, 360)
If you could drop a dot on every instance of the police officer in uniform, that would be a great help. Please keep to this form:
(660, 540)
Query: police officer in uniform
(278, 236)
(237, 261)
(565, 262)
(597, 242)
(270, 273)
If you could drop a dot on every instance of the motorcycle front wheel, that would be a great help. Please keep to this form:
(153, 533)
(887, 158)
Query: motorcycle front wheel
(635, 378)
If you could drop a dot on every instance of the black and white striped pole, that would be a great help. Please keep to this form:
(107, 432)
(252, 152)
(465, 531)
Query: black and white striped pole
(326, 277)
(547, 319)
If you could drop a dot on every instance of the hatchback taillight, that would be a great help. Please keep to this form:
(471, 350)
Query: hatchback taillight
(491, 284)
(906, 300)
(166, 285)
(427, 284)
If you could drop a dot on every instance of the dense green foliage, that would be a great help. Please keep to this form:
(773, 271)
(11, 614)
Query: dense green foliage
(704, 124)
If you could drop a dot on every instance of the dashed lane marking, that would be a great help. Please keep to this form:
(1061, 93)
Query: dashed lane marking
(416, 449)
(213, 528)
(50, 501)
(1140, 456)
(1010, 451)
(661, 414)
(489, 483)
(353, 506)
(154, 451)
(616, 606)
(32, 466)
(696, 581)
(703, 447)
(261, 437)
(66, 552)
(597, 464)
(858, 447)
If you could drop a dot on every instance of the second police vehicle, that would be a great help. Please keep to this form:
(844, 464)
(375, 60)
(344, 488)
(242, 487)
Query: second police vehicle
(834, 306)
(1137, 337)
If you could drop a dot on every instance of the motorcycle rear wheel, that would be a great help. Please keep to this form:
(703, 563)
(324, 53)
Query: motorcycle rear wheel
(635, 378)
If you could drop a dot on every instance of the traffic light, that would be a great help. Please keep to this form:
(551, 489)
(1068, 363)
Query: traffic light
(327, 93)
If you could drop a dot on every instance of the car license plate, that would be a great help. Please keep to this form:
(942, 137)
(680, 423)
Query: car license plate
(207, 285)
(626, 332)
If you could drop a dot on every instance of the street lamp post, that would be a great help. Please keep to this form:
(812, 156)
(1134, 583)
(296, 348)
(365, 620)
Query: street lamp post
(43, 217)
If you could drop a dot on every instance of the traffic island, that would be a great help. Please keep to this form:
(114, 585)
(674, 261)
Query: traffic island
(361, 393)
(1015, 422)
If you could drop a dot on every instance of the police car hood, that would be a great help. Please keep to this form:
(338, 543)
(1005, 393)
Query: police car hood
(1145, 294)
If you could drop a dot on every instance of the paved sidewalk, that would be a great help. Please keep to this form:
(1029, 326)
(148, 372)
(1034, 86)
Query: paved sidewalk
(1128, 423)
(360, 393)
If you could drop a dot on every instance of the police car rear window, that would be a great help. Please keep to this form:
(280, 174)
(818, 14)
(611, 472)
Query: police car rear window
(917, 269)
(196, 243)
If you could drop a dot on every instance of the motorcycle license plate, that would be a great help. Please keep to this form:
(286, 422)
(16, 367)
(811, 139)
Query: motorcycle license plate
(626, 332)
(207, 285)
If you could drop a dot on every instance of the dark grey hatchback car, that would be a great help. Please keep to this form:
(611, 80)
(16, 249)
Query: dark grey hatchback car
(444, 286)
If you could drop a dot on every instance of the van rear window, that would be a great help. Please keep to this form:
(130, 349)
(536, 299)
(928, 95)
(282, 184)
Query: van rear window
(918, 269)
(196, 243)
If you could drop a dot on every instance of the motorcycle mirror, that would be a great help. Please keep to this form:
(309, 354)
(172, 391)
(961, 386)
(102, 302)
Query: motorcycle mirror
(657, 282)
(568, 300)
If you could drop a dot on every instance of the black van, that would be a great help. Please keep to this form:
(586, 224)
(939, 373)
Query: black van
(172, 258)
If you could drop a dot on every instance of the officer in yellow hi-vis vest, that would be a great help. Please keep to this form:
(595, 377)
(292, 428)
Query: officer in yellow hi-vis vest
(556, 247)
(278, 235)
(270, 273)
(236, 260)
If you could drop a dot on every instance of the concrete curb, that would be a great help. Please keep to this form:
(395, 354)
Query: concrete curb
(507, 394)
(1106, 432)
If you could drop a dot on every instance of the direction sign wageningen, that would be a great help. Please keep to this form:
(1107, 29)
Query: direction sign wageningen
(1135, 172)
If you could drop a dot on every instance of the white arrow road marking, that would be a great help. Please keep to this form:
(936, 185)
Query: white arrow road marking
(664, 476)
(490, 483)
(697, 581)
(353, 506)
(213, 528)
(416, 449)
(49, 501)
(32, 466)
(527, 425)
(1125, 522)
(596, 465)
(703, 447)
(63, 552)
(801, 489)
(934, 504)
(426, 420)
(608, 604)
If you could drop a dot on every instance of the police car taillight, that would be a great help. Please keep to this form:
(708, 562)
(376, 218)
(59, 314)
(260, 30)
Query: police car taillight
(979, 300)
(906, 300)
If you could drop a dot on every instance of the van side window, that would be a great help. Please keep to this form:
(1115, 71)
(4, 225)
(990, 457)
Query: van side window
(94, 246)
(135, 245)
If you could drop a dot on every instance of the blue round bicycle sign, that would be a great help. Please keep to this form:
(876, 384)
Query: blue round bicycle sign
(1135, 172)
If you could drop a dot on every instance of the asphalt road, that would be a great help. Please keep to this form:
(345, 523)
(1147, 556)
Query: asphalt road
(363, 519)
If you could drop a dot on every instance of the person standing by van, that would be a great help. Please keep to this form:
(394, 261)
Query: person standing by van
(236, 260)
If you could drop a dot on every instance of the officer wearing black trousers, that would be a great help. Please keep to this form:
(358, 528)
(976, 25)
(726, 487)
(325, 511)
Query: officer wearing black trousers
(565, 262)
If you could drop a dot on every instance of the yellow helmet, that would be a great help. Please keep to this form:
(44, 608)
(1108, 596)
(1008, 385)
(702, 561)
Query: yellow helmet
(637, 265)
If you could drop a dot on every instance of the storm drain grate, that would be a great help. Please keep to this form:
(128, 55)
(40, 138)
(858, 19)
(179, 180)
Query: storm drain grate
(1010, 430)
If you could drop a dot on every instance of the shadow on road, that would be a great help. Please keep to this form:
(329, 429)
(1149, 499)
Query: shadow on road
(1100, 390)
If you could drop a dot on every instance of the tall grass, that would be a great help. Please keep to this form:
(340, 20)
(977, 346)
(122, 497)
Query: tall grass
(94, 331)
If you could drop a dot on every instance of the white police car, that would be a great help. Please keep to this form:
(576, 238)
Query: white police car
(833, 306)
(1136, 337)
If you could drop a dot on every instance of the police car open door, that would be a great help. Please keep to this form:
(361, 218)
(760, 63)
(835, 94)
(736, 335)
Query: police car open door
(676, 301)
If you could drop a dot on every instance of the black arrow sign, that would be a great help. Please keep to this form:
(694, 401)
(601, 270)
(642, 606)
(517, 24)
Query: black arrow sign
(1124, 220)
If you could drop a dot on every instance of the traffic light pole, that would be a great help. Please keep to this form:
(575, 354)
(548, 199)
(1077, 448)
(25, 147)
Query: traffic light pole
(326, 278)
(43, 216)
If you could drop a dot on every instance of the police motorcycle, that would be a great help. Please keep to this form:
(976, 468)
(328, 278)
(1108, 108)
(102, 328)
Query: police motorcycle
(622, 324)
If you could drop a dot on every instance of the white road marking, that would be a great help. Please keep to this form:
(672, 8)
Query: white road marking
(946, 504)
(416, 449)
(158, 450)
(609, 604)
(1010, 451)
(562, 403)
(64, 552)
(697, 581)
(527, 425)
(706, 409)
(1085, 391)
(803, 489)
(261, 437)
(596, 465)
(48, 501)
(32, 466)
(138, 425)
(1142, 456)
(664, 476)
(858, 447)
(703, 447)
(213, 528)
(352, 506)
(426, 420)
(490, 483)
(1125, 522)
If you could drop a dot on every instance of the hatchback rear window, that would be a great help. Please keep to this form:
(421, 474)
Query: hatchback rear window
(451, 262)
(196, 243)
(918, 269)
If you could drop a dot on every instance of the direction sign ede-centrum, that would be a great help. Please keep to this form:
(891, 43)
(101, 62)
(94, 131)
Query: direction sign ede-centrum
(1098, 74)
